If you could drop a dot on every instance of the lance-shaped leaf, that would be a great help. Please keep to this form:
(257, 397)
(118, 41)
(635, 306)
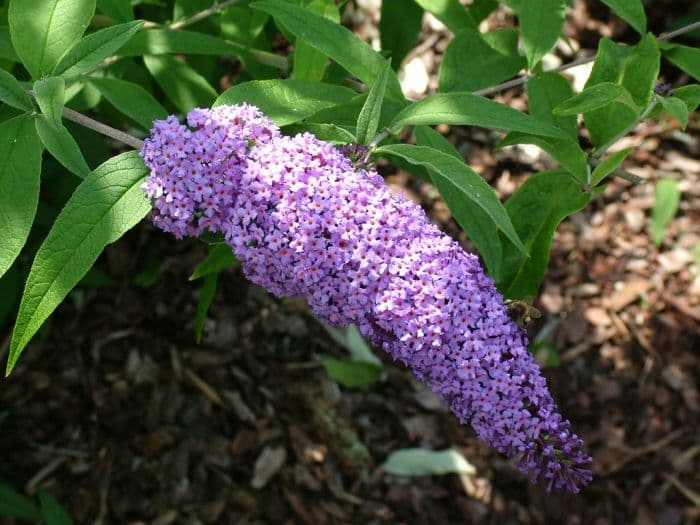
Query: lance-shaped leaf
(169, 41)
(310, 63)
(666, 199)
(541, 23)
(20, 168)
(564, 150)
(472, 201)
(336, 41)
(50, 95)
(12, 93)
(608, 165)
(677, 108)
(425, 462)
(181, 83)
(399, 27)
(368, 121)
(631, 11)
(286, 101)
(545, 92)
(42, 32)
(450, 12)
(61, 144)
(108, 203)
(595, 97)
(536, 209)
(131, 99)
(685, 57)
(467, 109)
(494, 55)
(94, 48)
(219, 257)
(206, 296)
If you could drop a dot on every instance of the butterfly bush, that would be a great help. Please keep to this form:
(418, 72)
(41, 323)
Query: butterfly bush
(303, 220)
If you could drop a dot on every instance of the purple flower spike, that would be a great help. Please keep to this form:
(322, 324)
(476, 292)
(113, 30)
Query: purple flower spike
(304, 221)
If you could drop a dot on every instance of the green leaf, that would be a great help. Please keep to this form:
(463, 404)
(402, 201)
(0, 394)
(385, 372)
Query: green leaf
(469, 51)
(206, 296)
(424, 462)
(180, 42)
(427, 136)
(6, 50)
(450, 12)
(685, 57)
(356, 345)
(51, 511)
(677, 108)
(689, 94)
(345, 115)
(481, 9)
(352, 374)
(541, 24)
(631, 11)
(565, 151)
(108, 203)
(536, 209)
(20, 168)
(636, 69)
(61, 144)
(368, 121)
(219, 257)
(328, 132)
(466, 109)
(14, 505)
(595, 97)
(181, 83)
(310, 63)
(472, 201)
(666, 200)
(131, 99)
(120, 11)
(286, 101)
(94, 48)
(12, 93)
(608, 165)
(41, 34)
(334, 40)
(50, 96)
(641, 70)
(399, 26)
(544, 92)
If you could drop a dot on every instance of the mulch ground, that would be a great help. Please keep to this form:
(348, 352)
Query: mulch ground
(119, 414)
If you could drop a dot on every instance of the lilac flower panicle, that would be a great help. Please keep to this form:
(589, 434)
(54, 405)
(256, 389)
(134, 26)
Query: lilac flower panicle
(303, 220)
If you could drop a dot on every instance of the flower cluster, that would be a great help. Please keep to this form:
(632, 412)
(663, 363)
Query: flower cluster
(304, 221)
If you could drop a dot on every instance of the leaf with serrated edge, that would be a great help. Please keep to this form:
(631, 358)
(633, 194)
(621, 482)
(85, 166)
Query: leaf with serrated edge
(20, 169)
(108, 203)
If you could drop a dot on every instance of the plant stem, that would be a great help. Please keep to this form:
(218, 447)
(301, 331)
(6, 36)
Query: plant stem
(101, 128)
(216, 8)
